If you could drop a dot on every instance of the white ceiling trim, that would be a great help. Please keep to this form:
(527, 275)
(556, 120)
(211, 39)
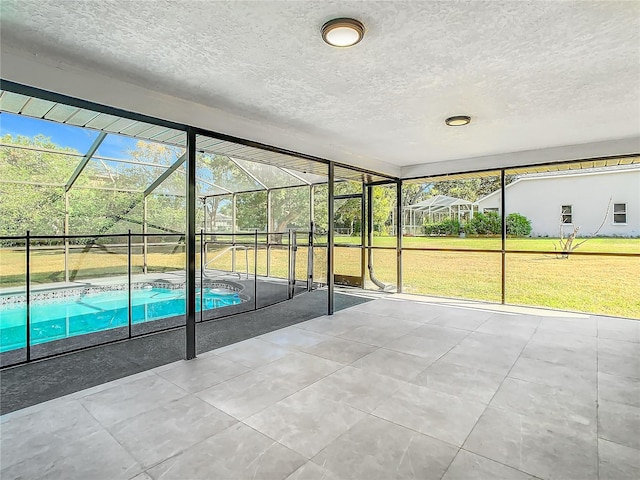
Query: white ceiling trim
(609, 148)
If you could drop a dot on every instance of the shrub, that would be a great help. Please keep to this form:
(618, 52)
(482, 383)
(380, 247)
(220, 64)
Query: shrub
(518, 225)
(484, 224)
(470, 228)
(446, 227)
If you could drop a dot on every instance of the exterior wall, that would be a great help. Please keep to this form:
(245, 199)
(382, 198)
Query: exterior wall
(540, 199)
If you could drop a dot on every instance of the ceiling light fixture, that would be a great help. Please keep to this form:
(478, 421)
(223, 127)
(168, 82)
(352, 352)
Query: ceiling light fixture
(458, 121)
(342, 32)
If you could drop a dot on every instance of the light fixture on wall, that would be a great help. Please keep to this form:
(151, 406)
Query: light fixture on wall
(458, 120)
(342, 32)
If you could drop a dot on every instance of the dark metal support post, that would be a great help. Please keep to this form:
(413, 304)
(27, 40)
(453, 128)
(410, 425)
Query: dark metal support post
(28, 292)
(369, 211)
(312, 213)
(365, 223)
(269, 229)
(399, 228)
(145, 240)
(312, 227)
(129, 307)
(310, 258)
(233, 231)
(503, 217)
(255, 269)
(66, 232)
(330, 238)
(203, 248)
(290, 260)
(191, 247)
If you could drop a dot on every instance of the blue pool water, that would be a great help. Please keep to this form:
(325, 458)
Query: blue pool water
(89, 313)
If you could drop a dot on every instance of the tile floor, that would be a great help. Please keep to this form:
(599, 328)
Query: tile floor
(390, 389)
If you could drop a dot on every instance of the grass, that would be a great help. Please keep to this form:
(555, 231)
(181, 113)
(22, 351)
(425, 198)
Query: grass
(592, 284)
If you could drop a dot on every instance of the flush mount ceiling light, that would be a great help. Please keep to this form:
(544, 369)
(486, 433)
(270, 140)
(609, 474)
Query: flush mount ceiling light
(342, 32)
(458, 121)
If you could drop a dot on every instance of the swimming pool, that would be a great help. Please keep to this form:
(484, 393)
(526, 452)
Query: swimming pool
(57, 318)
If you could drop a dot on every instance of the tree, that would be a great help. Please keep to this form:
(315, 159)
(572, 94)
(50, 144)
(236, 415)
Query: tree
(471, 189)
(289, 209)
(384, 202)
(35, 199)
(251, 211)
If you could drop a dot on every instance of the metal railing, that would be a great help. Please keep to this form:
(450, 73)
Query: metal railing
(124, 274)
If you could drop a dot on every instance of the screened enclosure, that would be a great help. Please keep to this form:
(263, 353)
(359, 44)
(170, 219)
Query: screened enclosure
(99, 211)
(94, 210)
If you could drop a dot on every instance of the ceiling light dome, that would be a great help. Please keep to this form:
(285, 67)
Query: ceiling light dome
(342, 32)
(458, 120)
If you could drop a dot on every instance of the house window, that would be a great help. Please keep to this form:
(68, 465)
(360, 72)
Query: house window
(619, 213)
(567, 214)
(490, 210)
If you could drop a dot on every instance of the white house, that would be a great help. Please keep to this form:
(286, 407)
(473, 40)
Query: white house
(583, 199)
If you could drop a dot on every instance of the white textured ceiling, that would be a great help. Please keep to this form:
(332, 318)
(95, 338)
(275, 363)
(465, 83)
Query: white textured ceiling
(531, 74)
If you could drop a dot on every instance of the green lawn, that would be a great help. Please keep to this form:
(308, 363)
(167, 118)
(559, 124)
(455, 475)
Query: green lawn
(599, 244)
(593, 284)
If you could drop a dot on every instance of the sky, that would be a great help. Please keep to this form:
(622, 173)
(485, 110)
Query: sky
(80, 139)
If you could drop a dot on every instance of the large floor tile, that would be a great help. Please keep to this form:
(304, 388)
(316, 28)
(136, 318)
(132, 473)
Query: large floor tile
(293, 337)
(252, 353)
(420, 346)
(606, 345)
(580, 382)
(338, 323)
(491, 353)
(305, 422)
(200, 373)
(127, 400)
(237, 453)
(96, 456)
(381, 331)
(313, 471)
(160, 433)
(619, 329)
(249, 393)
(377, 449)
(619, 389)
(545, 450)
(301, 368)
(142, 476)
(440, 415)
(340, 350)
(575, 326)
(619, 358)
(420, 312)
(619, 423)
(548, 404)
(618, 462)
(509, 326)
(578, 358)
(104, 386)
(461, 318)
(469, 466)
(447, 335)
(26, 436)
(393, 364)
(356, 387)
(565, 340)
(463, 382)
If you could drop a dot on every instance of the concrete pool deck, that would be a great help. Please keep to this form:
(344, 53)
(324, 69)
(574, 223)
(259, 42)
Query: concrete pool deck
(268, 291)
(392, 388)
